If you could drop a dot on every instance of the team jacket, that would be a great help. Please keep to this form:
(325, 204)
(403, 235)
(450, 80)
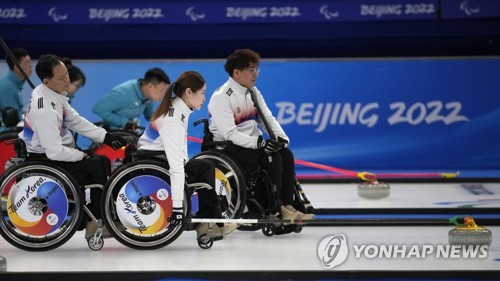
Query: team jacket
(234, 116)
(125, 102)
(49, 117)
(169, 133)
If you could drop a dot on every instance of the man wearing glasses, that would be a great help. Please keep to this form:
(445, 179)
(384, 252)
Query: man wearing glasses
(235, 118)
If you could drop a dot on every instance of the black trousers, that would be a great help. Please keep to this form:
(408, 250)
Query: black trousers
(280, 166)
(202, 170)
(92, 170)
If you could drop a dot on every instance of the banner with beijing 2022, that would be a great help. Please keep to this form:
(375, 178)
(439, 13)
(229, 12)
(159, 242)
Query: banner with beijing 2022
(389, 115)
(199, 12)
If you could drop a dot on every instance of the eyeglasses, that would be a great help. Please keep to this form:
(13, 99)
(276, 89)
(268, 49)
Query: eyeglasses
(252, 69)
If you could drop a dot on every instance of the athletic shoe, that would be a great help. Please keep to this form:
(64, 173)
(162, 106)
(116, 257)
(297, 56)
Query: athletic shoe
(217, 231)
(299, 214)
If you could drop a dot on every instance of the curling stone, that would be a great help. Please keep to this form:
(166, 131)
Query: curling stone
(374, 190)
(3, 264)
(469, 234)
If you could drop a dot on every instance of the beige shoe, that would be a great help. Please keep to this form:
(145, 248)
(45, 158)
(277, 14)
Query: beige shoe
(300, 215)
(91, 229)
(217, 232)
(286, 214)
(229, 228)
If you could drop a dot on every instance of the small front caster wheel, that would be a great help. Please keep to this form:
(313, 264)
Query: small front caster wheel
(95, 244)
(205, 241)
(269, 230)
(298, 229)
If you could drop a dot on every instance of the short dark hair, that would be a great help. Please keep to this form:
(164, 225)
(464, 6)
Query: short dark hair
(240, 59)
(45, 65)
(18, 54)
(75, 73)
(156, 75)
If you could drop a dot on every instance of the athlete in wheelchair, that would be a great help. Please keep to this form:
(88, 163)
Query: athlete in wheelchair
(151, 194)
(237, 109)
(41, 200)
(12, 121)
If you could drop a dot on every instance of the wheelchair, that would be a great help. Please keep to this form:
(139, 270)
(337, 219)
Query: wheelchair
(256, 198)
(137, 205)
(41, 205)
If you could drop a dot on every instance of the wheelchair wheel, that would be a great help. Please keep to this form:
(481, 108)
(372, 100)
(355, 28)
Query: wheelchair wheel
(40, 206)
(7, 149)
(116, 157)
(230, 183)
(137, 203)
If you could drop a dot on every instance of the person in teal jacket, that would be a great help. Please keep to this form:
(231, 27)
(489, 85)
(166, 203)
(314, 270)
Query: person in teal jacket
(122, 107)
(12, 83)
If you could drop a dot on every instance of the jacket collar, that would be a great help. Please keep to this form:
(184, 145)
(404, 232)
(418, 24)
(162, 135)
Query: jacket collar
(236, 86)
(179, 104)
(46, 91)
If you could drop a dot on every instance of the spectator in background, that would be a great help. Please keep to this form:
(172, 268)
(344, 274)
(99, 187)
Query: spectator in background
(122, 107)
(12, 83)
(77, 78)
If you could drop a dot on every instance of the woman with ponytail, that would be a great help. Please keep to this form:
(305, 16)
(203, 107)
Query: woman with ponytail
(167, 131)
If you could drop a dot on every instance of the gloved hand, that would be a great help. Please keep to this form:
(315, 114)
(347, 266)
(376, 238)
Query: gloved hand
(114, 142)
(269, 145)
(130, 126)
(177, 217)
(282, 143)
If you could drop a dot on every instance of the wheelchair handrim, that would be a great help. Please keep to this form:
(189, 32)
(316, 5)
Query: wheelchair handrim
(57, 236)
(126, 236)
(230, 174)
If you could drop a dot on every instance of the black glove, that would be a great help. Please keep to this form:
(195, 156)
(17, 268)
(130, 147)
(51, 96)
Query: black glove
(130, 126)
(177, 217)
(269, 145)
(114, 142)
(282, 143)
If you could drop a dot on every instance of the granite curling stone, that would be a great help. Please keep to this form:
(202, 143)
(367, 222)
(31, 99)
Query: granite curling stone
(374, 190)
(469, 234)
